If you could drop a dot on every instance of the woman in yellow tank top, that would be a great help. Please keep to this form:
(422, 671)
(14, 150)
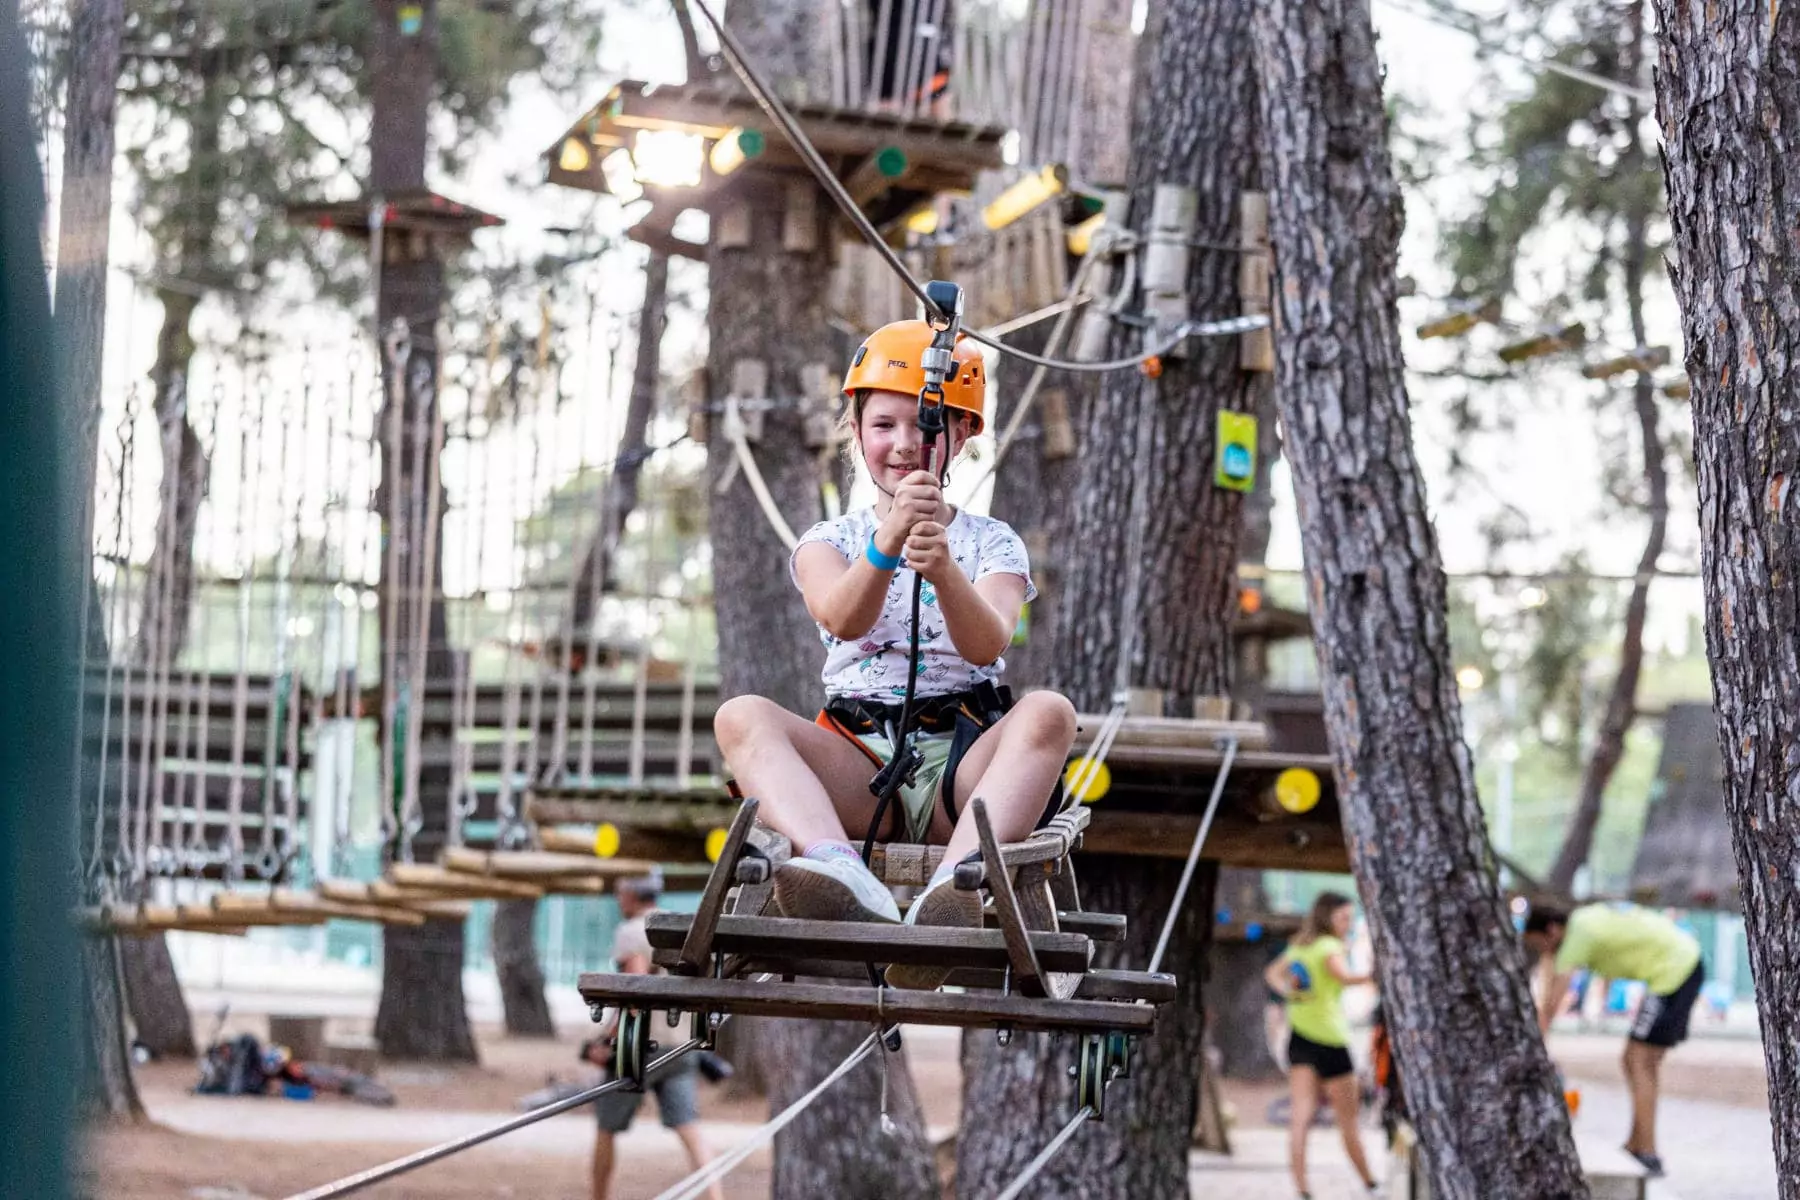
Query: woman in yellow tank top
(1310, 976)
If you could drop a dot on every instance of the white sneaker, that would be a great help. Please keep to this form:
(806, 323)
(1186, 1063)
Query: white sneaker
(942, 905)
(837, 889)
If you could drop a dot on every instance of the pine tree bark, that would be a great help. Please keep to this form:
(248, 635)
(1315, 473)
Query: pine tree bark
(521, 975)
(96, 39)
(1479, 1081)
(1728, 97)
(621, 496)
(1016, 1097)
(159, 1011)
(1194, 125)
(421, 1014)
(768, 303)
(1621, 700)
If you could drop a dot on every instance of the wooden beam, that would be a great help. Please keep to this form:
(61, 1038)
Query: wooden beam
(651, 845)
(1256, 348)
(698, 931)
(539, 864)
(665, 241)
(716, 114)
(1299, 844)
(1176, 733)
(700, 810)
(871, 941)
(866, 1005)
(431, 877)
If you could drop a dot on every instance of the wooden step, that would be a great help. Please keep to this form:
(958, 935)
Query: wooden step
(824, 1001)
(858, 941)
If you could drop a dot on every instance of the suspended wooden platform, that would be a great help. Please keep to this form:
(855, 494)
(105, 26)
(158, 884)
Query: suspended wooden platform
(1031, 971)
(1161, 775)
(411, 210)
(890, 163)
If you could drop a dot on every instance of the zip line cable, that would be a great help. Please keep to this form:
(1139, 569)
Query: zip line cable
(777, 111)
(1017, 1187)
(723, 1165)
(412, 1162)
(1472, 28)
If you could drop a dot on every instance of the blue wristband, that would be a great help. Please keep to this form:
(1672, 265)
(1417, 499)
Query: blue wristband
(878, 560)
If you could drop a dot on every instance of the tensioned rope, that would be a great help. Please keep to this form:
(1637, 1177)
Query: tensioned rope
(771, 104)
(1036, 1165)
(412, 1162)
(722, 1166)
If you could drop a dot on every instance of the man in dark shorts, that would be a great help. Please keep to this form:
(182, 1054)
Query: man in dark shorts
(675, 1085)
(1623, 941)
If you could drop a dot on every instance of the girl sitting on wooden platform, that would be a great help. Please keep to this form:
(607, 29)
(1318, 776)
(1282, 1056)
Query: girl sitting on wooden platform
(856, 573)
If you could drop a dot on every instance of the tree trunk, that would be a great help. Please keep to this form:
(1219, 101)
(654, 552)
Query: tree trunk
(1729, 102)
(1016, 1097)
(767, 303)
(169, 582)
(521, 976)
(107, 1089)
(421, 1014)
(1194, 125)
(1479, 1081)
(1237, 999)
(159, 1012)
(1621, 701)
(836, 1148)
(96, 37)
(620, 498)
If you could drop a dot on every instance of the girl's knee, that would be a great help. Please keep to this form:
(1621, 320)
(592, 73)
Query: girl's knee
(1049, 716)
(741, 719)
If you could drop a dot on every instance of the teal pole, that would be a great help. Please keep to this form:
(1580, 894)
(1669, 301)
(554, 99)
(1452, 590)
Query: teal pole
(40, 603)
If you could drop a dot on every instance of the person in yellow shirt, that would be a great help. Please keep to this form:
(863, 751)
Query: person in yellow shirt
(1310, 976)
(1623, 941)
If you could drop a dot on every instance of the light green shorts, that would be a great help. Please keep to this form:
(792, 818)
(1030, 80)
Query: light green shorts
(919, 797)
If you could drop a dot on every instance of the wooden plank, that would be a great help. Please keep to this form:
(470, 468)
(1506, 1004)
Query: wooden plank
(312, 903)
(539, 864)
(1097, 927)
(650, 845)
(1174, 733)
(1028, 974)
(436, 878)
(1296, 845)
(1094, 984)
(698, 810)
(697, 946)
(869, 941)
(863, 1004)
(831, 133)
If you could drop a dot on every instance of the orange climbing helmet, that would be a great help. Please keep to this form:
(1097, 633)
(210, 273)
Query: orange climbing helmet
(891, 360)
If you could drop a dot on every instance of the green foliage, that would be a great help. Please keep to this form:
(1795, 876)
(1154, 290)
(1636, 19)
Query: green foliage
(233, 108)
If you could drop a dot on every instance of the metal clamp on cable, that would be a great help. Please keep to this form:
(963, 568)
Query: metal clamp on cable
(939, 361)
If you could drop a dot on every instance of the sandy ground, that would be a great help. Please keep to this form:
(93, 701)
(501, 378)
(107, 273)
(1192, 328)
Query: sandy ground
(218, 1148)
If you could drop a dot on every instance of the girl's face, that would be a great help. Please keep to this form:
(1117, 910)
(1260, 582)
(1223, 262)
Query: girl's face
(888, 436)
(1340, 920)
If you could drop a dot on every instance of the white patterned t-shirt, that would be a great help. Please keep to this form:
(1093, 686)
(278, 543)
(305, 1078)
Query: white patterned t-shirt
(874, 666)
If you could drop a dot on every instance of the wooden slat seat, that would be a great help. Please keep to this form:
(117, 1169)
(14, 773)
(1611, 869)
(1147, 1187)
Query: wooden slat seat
(853, 941)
